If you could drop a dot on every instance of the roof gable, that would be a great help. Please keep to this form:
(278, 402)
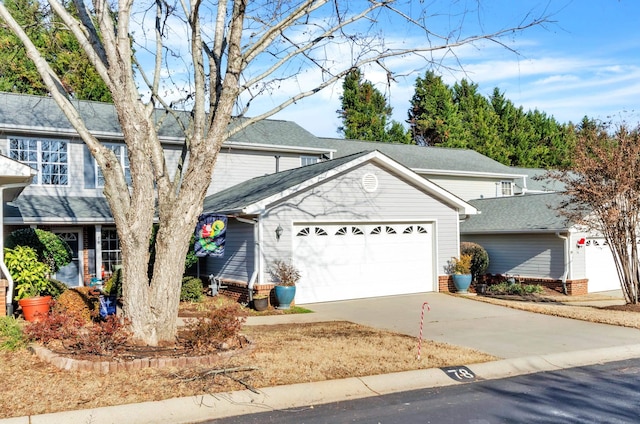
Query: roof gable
(253, 196)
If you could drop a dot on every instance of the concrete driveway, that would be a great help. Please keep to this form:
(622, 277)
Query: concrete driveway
(500, 331)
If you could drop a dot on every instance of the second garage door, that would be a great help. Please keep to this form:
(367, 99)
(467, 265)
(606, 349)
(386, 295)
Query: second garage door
(355, 260)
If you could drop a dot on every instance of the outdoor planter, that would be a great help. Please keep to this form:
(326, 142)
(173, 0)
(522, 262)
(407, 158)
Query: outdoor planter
(462, 282)
(285, 295)
(261, 303)
(35, 307)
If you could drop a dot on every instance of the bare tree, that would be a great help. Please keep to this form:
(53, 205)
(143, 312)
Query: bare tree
(603, 194)
(237, 52)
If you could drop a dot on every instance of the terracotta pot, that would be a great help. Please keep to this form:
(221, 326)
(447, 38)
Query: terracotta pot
(33, 308)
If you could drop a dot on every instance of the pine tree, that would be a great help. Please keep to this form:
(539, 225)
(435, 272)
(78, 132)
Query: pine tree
(365, 112)
(59, 47)
(433, 117)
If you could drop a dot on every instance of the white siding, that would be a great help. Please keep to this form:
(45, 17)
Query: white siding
(342, 199)
(527, 255)
(469, 188)
(235, 166)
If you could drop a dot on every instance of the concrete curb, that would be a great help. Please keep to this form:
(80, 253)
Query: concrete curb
(208, 407)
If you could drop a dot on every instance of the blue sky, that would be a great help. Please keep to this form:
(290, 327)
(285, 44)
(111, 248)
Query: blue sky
(585, 63)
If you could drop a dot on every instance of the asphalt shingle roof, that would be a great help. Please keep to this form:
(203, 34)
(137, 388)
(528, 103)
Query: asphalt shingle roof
(25, 111)
(32, 208)
(533, 212)
(420, 157)
(236, 198)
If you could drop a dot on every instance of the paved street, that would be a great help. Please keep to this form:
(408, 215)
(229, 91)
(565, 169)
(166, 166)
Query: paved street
(596, 394)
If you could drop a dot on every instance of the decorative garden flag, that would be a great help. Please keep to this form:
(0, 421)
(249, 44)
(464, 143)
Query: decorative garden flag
(211, 233)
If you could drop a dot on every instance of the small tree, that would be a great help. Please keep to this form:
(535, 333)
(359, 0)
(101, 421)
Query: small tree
(603, 194)
(479, 258)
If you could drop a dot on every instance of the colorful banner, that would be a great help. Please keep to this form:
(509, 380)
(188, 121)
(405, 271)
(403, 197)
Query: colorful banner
(211, 233)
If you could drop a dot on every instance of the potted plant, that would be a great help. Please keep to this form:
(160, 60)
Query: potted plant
(30, 277)
(461, 268)
(260, 302)
(286, 276)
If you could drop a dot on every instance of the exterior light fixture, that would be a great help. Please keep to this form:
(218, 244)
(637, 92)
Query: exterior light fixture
(279, 231)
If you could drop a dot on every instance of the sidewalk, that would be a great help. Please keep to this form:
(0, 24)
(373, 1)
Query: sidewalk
(529, 343)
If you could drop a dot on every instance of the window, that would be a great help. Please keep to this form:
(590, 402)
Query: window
(121, 153)
(111, 255)
(308, 160)
(506, 188)
(48, 157)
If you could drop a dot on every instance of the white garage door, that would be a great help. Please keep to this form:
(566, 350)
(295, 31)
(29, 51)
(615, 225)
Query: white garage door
(600, 268)
(351, 261)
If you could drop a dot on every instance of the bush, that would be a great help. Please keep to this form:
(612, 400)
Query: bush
(51, 249)
(507, 288)
(479, 258)
(212, 331)
(55, 326)
(28, 273)
(104, 337)
(81, 302)
(285, 273)
(101, 338)
(113, 286)
(55, 288)
(11, 335)
(191, 289)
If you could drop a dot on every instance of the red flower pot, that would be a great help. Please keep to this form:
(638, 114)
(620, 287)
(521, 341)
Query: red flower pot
(33, 308)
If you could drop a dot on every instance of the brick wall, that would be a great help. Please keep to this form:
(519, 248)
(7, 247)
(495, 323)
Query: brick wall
(237, 290)
(574, 287)
(4, 286)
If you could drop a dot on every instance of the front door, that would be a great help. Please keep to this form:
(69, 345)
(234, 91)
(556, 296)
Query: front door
(70, 274)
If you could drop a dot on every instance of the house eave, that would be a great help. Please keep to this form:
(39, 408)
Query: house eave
(523, 231)
(455, 173)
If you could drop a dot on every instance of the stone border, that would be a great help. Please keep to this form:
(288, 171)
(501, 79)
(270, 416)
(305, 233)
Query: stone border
(105, 367)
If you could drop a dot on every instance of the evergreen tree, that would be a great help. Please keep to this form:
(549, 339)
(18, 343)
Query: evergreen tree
(59, 47)
(433, 117)
(479, 121)
(365, 112)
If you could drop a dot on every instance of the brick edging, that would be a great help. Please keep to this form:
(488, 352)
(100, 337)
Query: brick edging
(105, 367)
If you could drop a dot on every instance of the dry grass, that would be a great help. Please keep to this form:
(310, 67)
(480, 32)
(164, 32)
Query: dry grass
(624, 318)
(285, 354)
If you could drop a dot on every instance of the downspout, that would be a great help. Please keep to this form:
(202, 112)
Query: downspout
(3, 266)
(567, 255)
(257, 234)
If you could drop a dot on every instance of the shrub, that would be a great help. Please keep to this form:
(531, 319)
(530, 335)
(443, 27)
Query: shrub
(81, 302)
(11, 335)
(506, 287)
(191, 289)
(104, 337)
(285, 273)
(479, 258)
(28, 273)
(55, 326)
(461, 265)
(113, 286)
(55, 288)
(218, 327)
(51, 249)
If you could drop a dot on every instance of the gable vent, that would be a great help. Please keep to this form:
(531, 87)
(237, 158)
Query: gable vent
(369, 182)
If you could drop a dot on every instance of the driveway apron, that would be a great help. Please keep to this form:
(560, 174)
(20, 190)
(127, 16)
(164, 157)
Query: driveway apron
(497, 330)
